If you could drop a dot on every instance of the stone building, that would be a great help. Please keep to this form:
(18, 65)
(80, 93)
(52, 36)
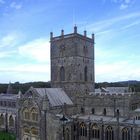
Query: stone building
(72, 62)
(72, 109)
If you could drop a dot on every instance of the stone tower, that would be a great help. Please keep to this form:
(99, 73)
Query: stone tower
(72, 62)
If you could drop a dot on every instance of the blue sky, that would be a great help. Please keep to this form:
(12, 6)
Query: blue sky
(25, 26)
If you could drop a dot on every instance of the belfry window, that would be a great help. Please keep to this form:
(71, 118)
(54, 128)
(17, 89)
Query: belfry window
(93, 111)
(104, 112)
(62, 74)
(85, 73)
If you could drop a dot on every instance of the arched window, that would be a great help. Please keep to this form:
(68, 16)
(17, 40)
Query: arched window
(109, 133)
(125, 134)
(34, 131)
(83, 129)
(62, 74)
(1, 119)
(67, 134)
(34, 114)
(11, 121)
(104, 112)
(85, 73)
(26, 114)
(95, 133)
(26, 130)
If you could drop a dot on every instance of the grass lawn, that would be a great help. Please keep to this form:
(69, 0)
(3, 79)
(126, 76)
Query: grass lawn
(7, 136)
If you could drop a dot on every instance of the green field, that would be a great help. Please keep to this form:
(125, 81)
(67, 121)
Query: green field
(7, 136)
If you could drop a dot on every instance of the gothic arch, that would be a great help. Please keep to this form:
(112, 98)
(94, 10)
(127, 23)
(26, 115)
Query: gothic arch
(26, 133)
(26, 113)
(34, 114)
(34, 131)
(95, 133)
(62, 74)
(109, 133)
(83, 129)
(11, 121)
(125, 134)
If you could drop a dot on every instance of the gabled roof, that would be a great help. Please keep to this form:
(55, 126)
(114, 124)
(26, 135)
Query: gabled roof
(56, 96)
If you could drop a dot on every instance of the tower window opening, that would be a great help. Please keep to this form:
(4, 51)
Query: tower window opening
(62, 74)
(85, 73)
(104, 112)
(93, 111)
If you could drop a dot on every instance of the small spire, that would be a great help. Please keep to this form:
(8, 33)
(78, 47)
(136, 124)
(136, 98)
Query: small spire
(93, 38)
(9, 89)
(75, 29)
(85, 33)
(19, 94)
(62, 32)
(51, 35)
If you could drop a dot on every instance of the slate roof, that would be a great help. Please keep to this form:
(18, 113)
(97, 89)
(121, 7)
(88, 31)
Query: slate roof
(4, 96)
(99, 118)
(113, 90)
(56, 96)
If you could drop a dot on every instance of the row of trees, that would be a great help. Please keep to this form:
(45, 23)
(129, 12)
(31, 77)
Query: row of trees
(23, 87)
(133, 85)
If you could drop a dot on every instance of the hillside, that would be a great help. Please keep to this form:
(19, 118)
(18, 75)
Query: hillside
(23, 87)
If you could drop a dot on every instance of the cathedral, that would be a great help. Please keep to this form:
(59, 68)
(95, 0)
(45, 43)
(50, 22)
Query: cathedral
(72, 109)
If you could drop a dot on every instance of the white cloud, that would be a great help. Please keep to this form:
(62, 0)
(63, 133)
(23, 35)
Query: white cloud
(131, 24)
(8, 40)
(123, 6)
(15, 5)
(5, 54)
(38, 49)
(23, 68)
(100, 26)
(25, 72)
(117, 71)
(128, 1)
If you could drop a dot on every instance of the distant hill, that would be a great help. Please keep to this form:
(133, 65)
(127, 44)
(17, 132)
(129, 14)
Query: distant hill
(23, 87)
(132, 84)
